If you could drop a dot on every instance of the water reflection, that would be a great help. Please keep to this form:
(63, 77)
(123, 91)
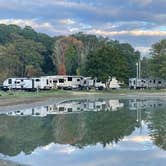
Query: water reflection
(26, 133)
(72, 106)
(116, 125)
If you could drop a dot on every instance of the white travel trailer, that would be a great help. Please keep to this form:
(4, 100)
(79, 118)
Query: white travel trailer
(141, 83)
(43, 83)
(99, 85)
(67, 82)
(88, 83)
(18, 83)
(30, 84)
(114, 83)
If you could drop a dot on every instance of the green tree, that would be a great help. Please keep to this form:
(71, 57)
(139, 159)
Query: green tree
(158, 61)
(113, 59)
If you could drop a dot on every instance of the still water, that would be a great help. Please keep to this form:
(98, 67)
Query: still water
(90, 132)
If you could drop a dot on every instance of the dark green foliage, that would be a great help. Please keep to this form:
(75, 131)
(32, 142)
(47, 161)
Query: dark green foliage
(25, 52)
(113, 59)
(158, 61)
(155, 66)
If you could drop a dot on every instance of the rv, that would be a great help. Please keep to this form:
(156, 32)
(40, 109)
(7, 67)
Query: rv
(88, 83)
(67, 82)
(30, 84)
(99, 85)
(114, 83)
(145, 83)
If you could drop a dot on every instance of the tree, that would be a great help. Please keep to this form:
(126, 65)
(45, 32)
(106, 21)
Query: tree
(29, 53)
(9, 62)
(60, 49)
(158, 61)
(113, 59)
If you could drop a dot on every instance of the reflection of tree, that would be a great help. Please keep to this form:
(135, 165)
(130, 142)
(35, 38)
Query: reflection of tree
(22, 134)
(157, 125)
(27, 133)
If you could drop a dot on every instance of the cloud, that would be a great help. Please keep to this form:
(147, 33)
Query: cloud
(144, 50)
(131, 32)
(37, 25)
(140, 22)
(143, 2)
(67, 21)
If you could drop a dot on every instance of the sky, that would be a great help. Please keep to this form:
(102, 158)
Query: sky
(138, 22)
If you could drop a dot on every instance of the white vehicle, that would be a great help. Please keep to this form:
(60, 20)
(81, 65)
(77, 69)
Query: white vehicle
(40, 83)
(144, 83)
(88, 83)
(99, 85)
(18, 83)
(67, 82)
(43, 83)
(114, 83)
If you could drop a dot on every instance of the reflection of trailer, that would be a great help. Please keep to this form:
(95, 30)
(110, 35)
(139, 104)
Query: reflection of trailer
(145, 104)
(28, 83)
(73, 106)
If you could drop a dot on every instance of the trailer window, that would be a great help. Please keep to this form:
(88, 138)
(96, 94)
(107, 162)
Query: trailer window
(61, 109)
(78, 80)
(47, 82)
(154, 81)
(69, 78)
(159, 82)
(69, 109)
(55, 81)
(61, 80)
(9, 81)
(37, 80)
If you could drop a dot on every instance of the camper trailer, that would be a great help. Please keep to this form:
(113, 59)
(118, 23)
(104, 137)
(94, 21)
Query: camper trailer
(18, 83)
(99, 85)
(30, 84)
(43, 83)
(113, 83)
(144, 83)
(67, 82)
(88, 83)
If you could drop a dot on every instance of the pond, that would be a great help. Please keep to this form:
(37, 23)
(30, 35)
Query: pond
(86, 132)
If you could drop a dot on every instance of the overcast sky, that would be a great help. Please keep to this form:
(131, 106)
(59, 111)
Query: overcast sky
(139, 22)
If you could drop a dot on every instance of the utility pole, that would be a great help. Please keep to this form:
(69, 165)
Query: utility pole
(139, 64)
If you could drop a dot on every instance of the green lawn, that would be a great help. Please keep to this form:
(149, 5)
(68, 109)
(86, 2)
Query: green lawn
(17, 94)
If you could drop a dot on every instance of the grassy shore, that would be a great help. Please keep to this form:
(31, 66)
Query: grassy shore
(52, 93)
(11, 94)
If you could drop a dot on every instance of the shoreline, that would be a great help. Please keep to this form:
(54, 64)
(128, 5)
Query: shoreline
(21, 100)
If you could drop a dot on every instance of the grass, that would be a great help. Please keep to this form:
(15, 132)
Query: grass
(23, 94)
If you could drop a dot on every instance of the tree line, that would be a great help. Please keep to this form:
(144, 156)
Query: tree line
(154, 66)
(27, 53)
